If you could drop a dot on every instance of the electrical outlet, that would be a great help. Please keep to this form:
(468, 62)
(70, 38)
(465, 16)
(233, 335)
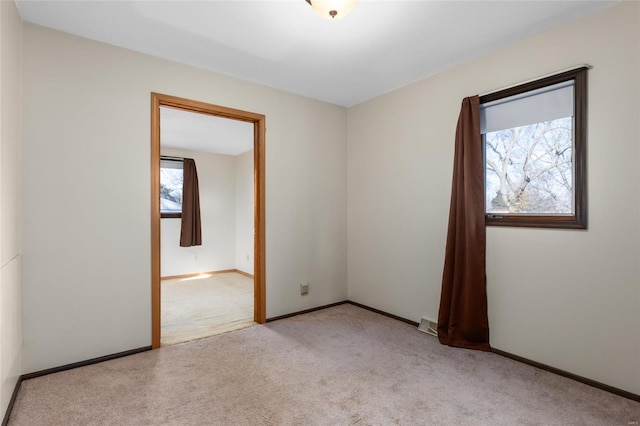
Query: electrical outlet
(304, 288)
(247, 258)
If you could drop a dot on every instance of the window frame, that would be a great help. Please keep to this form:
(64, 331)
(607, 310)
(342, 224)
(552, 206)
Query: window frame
(171, 215)
(578, 220)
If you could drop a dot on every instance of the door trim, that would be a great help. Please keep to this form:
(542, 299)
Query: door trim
(258, 120)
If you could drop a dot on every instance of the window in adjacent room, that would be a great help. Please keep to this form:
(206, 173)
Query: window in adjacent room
(171, 177)
(534, 138)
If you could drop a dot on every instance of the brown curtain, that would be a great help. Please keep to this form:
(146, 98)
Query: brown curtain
(190, 232)
(462, 319)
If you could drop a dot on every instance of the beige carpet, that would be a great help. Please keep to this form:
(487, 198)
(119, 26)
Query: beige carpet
(196, 308)
(339, 366)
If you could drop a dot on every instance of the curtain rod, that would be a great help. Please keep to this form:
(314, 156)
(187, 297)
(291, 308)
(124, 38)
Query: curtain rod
(538, 78)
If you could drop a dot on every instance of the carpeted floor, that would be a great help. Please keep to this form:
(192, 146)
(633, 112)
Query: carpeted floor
(338, 366)
(196, 308)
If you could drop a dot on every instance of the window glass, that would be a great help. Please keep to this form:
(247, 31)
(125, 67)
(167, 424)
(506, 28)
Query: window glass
(171, 177)
(529, 169)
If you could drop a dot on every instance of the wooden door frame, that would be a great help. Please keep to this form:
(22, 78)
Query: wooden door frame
(258, 120)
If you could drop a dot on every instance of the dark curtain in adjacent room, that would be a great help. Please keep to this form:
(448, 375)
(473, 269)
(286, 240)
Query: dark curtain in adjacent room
(190, 232)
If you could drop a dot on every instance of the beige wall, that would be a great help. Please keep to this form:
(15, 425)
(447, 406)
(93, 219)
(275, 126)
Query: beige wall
(86, 193)
(244, 211)
(568, 299)
(10, 244)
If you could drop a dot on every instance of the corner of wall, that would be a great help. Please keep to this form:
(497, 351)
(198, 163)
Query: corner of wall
(10, 200)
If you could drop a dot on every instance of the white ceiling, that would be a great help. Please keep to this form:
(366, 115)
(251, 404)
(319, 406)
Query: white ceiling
(205, 133)
(380, 46)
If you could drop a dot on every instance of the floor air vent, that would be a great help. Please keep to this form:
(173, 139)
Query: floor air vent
(429, 327)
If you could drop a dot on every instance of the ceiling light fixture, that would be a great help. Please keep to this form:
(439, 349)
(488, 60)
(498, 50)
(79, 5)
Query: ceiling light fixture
(332, 9)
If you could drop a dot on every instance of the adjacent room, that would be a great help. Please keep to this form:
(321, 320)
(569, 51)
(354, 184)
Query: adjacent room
(206, 285)
(465, 168)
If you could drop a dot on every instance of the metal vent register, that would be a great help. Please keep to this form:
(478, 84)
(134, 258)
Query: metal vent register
(428, 326)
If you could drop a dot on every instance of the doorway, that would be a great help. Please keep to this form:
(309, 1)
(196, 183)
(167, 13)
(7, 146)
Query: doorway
(159, 101)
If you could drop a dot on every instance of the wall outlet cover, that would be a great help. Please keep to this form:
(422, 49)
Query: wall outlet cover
(304, 288)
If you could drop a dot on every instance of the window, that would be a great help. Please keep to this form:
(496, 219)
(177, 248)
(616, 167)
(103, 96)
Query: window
(171, 177)
(534, 141)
